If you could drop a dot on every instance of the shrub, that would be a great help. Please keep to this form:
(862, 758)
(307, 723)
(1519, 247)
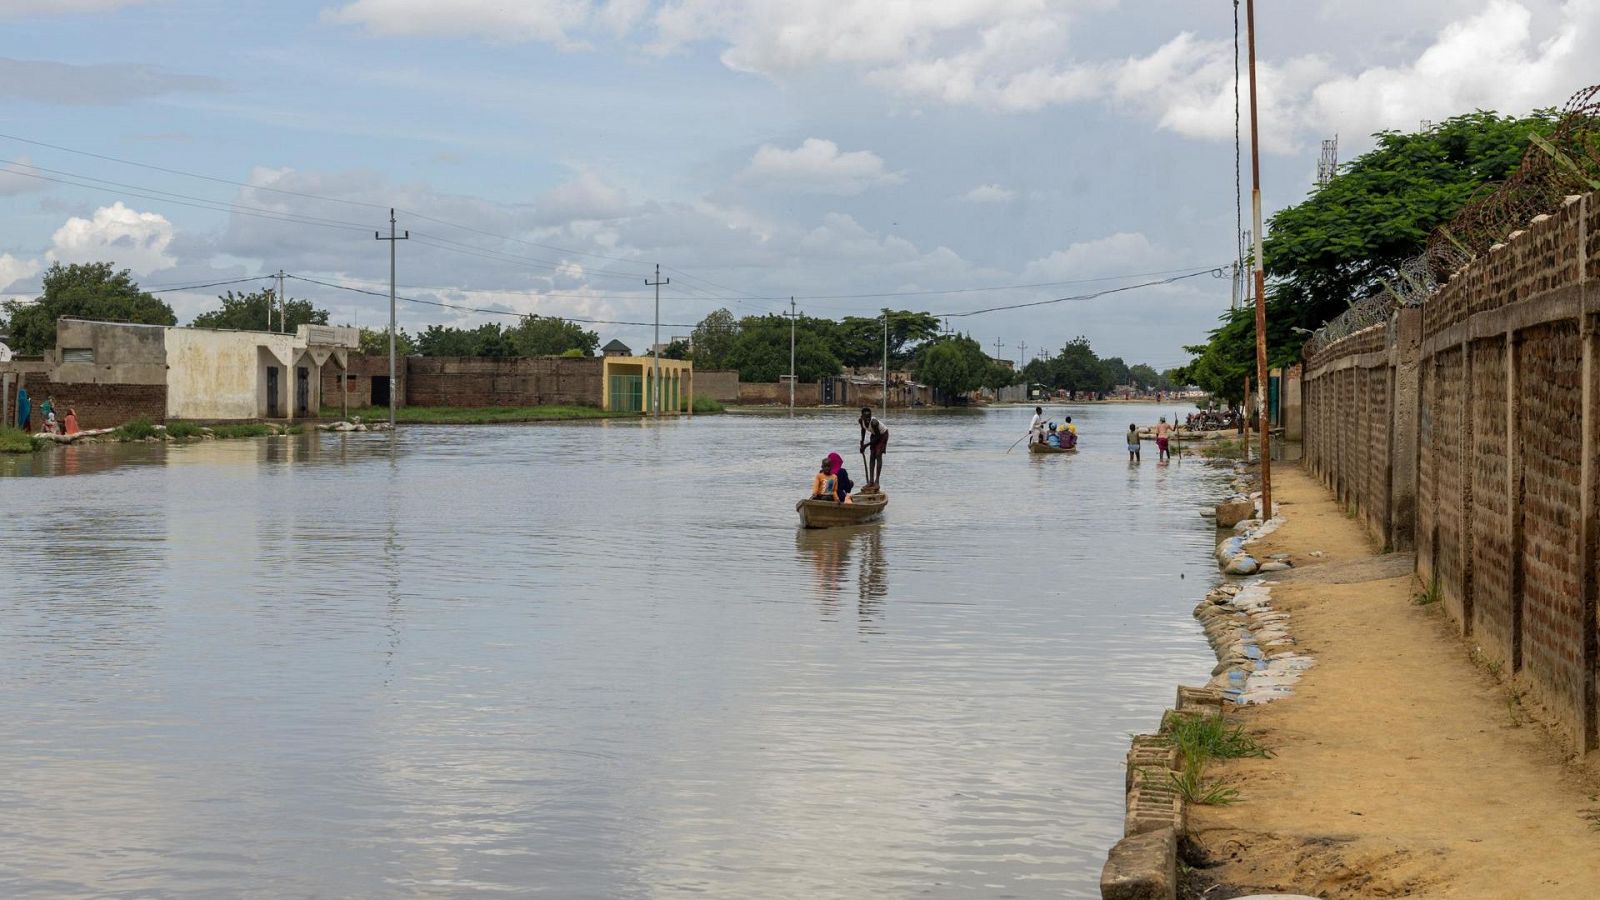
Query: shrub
(183, 430)
(704, 404)
(137, 430)
(15, 440)
(224, 432)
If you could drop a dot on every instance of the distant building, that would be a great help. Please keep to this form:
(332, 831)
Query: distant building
(616, 348)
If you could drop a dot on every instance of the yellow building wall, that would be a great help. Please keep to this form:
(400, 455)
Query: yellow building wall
(218, 374)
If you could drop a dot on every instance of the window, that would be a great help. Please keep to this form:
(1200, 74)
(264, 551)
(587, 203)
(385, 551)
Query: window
(83, 355)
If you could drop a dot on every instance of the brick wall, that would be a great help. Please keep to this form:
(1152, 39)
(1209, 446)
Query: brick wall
(515, 381)
(98, 405)
(1481, 439)
(754, 393)
(720, 386)
(362, 370)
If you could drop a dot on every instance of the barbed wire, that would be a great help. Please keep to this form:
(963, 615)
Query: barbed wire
(1566, 162)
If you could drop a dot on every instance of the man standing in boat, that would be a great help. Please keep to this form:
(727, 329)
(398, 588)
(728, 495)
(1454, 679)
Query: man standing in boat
(874, 442)
(1036, 427)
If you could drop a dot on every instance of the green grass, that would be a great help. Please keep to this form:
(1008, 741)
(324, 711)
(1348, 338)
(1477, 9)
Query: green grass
(1192, 785)
(1430, 596)
(183, 430)
(226, 432)
(1222, 447)
(1207, 737)
(137, 430)
(704, 404)
(15, 440)
(477, 415)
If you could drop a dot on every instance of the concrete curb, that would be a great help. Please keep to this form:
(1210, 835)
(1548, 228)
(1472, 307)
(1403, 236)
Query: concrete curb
(1142, 867)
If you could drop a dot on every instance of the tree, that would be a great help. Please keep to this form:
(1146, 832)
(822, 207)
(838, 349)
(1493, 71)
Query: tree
(1144, 377)
(1351, 235)
(761, 352)
(858, 340)
(677, 349)
(488, 339)
(713, 340)
(547, 336)
(953, 365)
(1117, 371)
(250, 312)
(1077, 368)
(85, 291)
(375, 342)
(1175, 378)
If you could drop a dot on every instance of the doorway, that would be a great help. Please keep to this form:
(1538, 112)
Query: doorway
(380, 390)
(272, 392)
(302, 391)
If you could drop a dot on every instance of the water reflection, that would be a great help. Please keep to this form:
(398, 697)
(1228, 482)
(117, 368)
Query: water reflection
(847, 561)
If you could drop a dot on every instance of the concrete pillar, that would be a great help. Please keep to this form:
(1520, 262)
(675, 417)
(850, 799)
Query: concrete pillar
(1406, 421)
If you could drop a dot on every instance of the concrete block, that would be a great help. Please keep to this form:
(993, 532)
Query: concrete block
(1142, 867)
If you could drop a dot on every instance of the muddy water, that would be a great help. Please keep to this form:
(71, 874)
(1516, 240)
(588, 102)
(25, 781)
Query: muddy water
(586, 661)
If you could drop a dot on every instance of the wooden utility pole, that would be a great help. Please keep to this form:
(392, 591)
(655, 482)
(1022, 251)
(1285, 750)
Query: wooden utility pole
(1260, 273)
(394, 383)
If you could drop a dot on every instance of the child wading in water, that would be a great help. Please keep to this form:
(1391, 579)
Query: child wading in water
(1133, 443)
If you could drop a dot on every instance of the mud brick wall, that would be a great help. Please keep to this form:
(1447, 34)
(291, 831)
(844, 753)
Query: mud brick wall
(98, 405)
(1484, 436)
(1494, 621)
(721, 386)
(514, 381)
(769, 393)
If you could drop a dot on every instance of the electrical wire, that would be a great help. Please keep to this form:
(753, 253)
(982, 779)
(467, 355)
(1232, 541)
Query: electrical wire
(477, 309)
(1217, 273)
(195, 287)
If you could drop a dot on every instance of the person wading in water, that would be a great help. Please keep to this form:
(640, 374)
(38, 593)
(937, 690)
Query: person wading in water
(874, 437)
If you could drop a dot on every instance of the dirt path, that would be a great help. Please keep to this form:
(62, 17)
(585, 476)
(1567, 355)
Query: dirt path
(1401, 768)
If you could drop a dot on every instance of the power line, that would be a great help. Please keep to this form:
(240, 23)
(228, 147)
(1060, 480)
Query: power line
(195, 287)
(478, 309)
(1218, 273)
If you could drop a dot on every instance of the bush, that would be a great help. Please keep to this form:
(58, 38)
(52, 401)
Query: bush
(184, 430)
(15, 440)
(224, 432)
(137, 430)
(704, 404)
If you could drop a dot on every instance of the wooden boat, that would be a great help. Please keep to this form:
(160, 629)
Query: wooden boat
(1042, 447)
(863, 507)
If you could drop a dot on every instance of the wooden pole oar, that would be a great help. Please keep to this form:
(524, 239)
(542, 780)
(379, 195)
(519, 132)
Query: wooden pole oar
(1017, 441)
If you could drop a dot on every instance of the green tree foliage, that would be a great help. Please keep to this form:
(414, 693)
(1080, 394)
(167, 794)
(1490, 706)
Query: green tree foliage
(1144, 377)
(678, 349)
(249, 312)
(1350, 236)
(858, 340)
(547, 336)
(1117, 371)
(85, 291)
(761, 351)
(1077, 368)
(954, 365)
(488, 339)
(713, 340)
(375, 342)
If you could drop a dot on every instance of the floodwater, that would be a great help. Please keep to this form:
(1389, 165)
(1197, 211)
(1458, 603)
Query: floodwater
(587, 661)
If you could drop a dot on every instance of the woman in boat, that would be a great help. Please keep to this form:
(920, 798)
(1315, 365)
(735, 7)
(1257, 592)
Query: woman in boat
(842, 484)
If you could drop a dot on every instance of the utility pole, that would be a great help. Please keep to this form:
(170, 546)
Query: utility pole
(283, 304)
(655, 392)
(886, 363)
(1261, 275)
(394, 383)
(1022, 355)
(792, 316)
(997, 346)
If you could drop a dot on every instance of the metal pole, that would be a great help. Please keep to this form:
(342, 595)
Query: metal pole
(283, 305)
(394, 385)
(1260, 273)
(791, 356)
(655, 392)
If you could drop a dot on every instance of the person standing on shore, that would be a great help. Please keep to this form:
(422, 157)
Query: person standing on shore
(47, 414)
(24, 409)
(874, 437)
(1162, 430)
(1133, 443)
(71, 423)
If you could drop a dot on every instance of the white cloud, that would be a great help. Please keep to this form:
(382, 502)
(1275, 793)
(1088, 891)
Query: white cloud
(1113, 254)
(131, 239)
(498, 21)
(990, 193)
(12, 183)
(585, 197)
(13, 270)
(10, 8)
(817, 165)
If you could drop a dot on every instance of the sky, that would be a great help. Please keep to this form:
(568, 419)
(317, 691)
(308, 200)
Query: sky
(948, 156)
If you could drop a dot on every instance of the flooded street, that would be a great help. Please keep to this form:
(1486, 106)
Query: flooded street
(588, 661)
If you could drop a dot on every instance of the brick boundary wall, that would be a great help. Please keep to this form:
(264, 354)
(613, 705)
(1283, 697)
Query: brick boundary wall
(1469, 430)
(98, 405)
(512, 381)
